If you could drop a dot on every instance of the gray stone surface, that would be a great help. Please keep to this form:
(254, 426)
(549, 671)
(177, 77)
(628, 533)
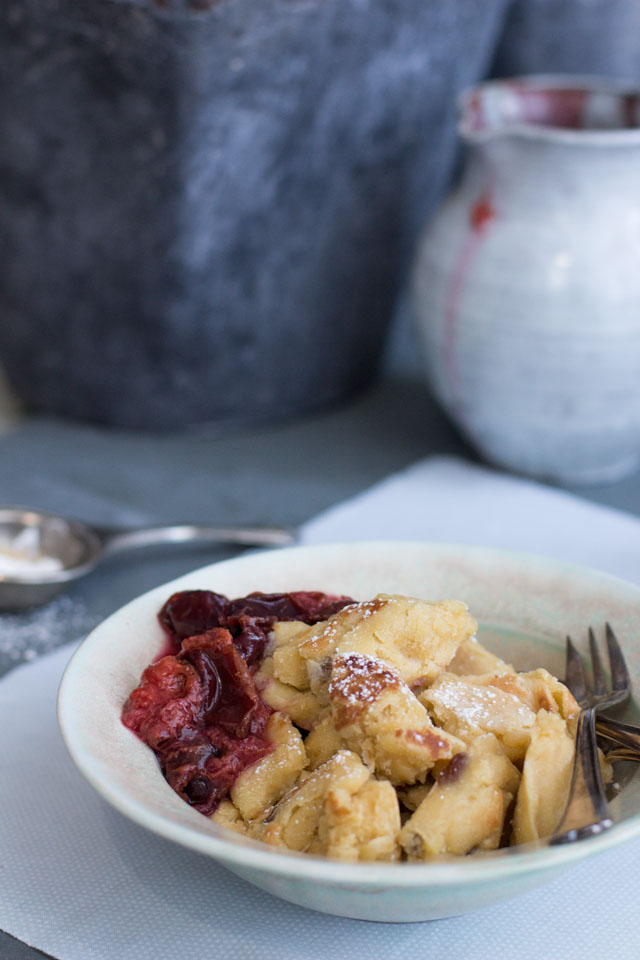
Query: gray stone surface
(12, 949)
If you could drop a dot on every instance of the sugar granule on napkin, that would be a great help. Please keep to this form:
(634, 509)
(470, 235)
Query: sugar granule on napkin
(26, 636)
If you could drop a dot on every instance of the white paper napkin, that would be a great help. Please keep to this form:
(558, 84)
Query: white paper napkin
(445, 499)
(81, 882)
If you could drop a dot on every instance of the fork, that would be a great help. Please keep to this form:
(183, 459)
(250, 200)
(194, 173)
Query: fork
(625, 738)
(587, 811)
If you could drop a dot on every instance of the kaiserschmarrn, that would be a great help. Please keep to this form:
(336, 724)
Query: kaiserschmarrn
(361, 731)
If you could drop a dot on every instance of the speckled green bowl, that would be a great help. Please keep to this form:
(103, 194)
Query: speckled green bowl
(525, 605)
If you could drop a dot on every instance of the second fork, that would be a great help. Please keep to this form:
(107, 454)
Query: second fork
(587, 810)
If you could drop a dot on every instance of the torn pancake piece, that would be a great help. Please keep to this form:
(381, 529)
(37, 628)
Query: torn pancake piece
(378, 717)
(466, 806)
(469, 709)
(361, 826)
(415, 637)
(295, 820)
(259, 786)
(546, 778)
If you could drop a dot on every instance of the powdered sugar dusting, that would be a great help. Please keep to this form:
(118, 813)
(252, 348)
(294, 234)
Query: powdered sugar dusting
(26, 636)
(368, 607)
(480, 706)
(356, 682)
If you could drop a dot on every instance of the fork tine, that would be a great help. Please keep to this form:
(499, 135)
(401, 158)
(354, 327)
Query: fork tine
(574, 676)
(619, 672)
(598, 672)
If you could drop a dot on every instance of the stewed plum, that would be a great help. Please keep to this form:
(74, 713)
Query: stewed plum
(198, 707)
(249, 619)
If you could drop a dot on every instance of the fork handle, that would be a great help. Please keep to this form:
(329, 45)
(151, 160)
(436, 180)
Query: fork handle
(624, 734)
(587, 812)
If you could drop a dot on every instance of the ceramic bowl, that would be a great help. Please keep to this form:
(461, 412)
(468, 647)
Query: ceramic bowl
(525, 605)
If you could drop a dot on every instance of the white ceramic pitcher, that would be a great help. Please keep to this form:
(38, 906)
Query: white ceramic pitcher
(526, 286)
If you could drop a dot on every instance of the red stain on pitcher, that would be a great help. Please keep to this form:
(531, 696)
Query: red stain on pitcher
(520, 277)
(481, 214)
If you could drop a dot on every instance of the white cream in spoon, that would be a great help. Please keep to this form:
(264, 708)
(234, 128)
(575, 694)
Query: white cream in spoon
(21, 558)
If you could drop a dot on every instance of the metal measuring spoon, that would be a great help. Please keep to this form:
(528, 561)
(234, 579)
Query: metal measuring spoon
(44, 551)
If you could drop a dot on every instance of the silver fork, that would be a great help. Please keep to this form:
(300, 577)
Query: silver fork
(624, 738)
(587, 811)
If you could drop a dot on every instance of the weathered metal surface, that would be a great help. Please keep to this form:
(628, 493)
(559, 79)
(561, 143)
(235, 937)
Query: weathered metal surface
(205, 214)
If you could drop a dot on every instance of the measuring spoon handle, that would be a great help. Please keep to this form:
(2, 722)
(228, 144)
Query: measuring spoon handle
(115, 540)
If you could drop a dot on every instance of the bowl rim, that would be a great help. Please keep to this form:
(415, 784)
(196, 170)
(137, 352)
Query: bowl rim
(241, 852)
